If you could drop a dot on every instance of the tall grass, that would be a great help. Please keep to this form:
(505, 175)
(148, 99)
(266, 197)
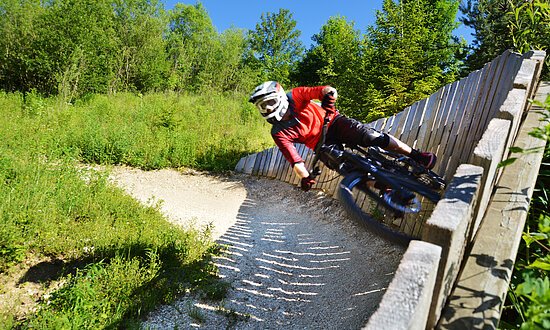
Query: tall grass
(117, 258)
(209, 132)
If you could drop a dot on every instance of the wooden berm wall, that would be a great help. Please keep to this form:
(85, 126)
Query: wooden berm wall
(457, 274)
(449, 123)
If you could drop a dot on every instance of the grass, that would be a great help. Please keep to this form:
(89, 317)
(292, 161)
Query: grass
(114, 258)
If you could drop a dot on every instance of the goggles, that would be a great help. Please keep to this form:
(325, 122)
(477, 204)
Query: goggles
(267, 106)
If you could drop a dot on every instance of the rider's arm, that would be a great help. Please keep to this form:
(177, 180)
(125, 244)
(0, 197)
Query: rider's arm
(306, 94)
(285, 141)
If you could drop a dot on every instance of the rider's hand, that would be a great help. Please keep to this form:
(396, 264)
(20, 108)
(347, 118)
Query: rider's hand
(307, 183)
(329, 100)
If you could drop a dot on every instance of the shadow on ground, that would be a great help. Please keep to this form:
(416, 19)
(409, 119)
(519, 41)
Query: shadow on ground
(295, 261)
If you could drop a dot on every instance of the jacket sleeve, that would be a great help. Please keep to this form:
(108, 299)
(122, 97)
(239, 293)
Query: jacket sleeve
(303, 95)
(284, 140)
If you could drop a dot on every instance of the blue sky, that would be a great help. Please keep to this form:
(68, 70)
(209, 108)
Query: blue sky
(309, 15)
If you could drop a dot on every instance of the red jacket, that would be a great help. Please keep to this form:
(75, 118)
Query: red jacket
(304, 126)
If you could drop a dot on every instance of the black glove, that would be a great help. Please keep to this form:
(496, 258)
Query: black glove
(307, 183)
(329, 101)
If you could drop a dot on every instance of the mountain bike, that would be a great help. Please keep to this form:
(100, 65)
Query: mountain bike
(395, 183)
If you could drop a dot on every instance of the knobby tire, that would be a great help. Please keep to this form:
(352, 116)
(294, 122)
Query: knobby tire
(346, 196)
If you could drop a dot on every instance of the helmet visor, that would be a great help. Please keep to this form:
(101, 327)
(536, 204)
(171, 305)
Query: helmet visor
(267, 106)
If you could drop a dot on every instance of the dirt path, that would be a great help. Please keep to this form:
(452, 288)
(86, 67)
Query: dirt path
(295, 260)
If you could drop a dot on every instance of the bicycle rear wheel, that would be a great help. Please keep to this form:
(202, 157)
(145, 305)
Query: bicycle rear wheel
(366, 207)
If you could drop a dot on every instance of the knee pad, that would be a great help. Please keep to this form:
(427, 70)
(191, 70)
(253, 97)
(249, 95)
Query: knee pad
(375, 138)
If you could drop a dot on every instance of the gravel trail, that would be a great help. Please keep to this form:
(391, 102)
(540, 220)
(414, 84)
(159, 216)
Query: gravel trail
(294, 261)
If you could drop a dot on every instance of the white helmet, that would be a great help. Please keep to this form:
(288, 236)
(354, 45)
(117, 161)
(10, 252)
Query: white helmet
(271, 100)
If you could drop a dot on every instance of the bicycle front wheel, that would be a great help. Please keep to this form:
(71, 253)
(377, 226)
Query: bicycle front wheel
(365, 206)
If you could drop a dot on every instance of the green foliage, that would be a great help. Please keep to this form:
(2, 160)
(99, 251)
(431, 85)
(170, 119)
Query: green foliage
(17, 28)
(75, 47)
(529, 25)
(275, 46)
(162, 130)
(124, 258)
(140, 61)
(201, 59)
(407, 55)
(412, 53)
(335, 60)
(499, 25)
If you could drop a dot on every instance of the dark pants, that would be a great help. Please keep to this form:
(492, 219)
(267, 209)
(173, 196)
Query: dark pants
(350, 131)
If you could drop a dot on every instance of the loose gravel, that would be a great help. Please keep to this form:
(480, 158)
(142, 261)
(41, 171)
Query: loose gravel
(294, 260)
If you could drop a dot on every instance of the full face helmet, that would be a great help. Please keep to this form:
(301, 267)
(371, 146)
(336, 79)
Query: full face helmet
(271, 100)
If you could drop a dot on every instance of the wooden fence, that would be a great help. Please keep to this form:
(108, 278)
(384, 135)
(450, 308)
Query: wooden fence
(449, 123)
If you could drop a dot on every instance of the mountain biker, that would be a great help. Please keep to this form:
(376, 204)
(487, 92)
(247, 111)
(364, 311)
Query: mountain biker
(296, 118)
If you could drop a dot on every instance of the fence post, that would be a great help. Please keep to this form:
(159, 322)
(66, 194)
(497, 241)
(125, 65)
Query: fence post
(447, 227)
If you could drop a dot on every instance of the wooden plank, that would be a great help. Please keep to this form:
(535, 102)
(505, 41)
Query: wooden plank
(447, 227)
(506, 82)
(281, 166)
(271, 172)
(430, 115)
(407, 124)
(334, 182)
(488, 154)
(539, 56)
(406, 302)
(463, 133)
(397, 123)
(325, 172)
(445, 120)
(506, 60)
(380, 123)
(480, 291)
(265, 163)
(452, 119)
(526, 74)
(450, 135)
(441, 118)
(249, 164)
(240, 165)
(285, 169)
(450, 158)
(481, 99)
(394, 123)
(257, 163)
(410, 132)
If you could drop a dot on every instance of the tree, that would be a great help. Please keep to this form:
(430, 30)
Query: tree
(412, 53)
(275, 46)
(335, 60)
(499, 25)
(140, 62)
(190, 37)
(75, 49)
(489, 22)
(529, 25)
(17, 28)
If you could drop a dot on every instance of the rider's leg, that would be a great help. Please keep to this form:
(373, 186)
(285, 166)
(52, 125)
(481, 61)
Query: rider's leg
(427, 159)
(348, 130)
